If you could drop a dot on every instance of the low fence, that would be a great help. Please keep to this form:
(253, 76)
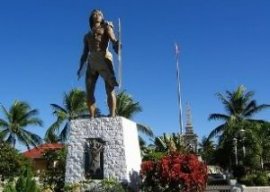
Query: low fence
(218, 188)
(236, 188)
(255, 189)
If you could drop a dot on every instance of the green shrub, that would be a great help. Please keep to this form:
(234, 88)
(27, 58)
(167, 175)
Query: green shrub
(54, 176)
(154, 155)
(255, 179)
(106, 185)
(9, 187)
(109, 185)
(72, 187)
(248, 180)
(25, 183)
(261, 179)
(11, 161)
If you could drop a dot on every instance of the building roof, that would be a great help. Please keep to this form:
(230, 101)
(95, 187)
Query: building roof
(37, 152)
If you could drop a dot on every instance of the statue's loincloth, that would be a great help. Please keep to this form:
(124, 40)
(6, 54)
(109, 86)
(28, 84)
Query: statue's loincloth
(101, 63)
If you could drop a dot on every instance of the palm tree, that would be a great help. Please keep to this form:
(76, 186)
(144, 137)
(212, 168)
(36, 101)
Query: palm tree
(207, 149)
(1, 137)
(127, 107)
(170, 142)
(74, 107)
(257, 143)
(163, 145)
(16, 120)
(239, 106)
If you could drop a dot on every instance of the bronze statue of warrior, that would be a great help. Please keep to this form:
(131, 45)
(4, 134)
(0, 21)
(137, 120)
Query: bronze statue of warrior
(99, 60)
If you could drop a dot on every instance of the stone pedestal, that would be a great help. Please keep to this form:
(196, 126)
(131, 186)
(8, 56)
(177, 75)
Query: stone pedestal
(121, 152)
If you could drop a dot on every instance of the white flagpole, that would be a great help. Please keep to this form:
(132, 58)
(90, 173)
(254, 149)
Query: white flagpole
(179, 98)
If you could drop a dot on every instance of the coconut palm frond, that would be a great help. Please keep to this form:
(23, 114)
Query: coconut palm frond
(145, 130)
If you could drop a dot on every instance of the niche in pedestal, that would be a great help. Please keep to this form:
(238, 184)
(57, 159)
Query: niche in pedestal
(94, 158)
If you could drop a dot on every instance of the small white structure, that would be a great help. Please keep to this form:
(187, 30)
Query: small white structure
(121, 156)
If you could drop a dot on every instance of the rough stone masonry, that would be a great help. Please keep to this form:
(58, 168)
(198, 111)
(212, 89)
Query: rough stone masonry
(122, 158)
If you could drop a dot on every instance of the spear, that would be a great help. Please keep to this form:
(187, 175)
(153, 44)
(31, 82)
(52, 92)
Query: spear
(119, 56)
(179, 98)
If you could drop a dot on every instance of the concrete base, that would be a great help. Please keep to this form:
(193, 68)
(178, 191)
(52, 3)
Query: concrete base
(122, 158)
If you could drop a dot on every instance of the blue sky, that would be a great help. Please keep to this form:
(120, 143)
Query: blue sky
(223, 44)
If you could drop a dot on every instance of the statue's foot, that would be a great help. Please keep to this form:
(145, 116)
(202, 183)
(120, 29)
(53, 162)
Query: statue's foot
(110, 115)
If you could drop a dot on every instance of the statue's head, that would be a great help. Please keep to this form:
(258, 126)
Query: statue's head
(96, 16)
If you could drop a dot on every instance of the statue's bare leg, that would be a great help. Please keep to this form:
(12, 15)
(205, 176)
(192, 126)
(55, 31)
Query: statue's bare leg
(90, 87)
(111, 99)
(91, 108)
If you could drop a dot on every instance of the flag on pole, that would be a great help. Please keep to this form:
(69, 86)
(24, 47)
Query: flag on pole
(177, 51)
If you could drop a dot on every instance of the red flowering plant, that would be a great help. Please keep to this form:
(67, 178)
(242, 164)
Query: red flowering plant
(174, 172)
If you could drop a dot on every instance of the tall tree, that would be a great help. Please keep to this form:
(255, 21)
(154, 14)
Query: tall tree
(11, 161)
(163, 145)
(257, 143)
(240, 109)
(15, 122)
(239, 105)
(74, 106)
(127, 107)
